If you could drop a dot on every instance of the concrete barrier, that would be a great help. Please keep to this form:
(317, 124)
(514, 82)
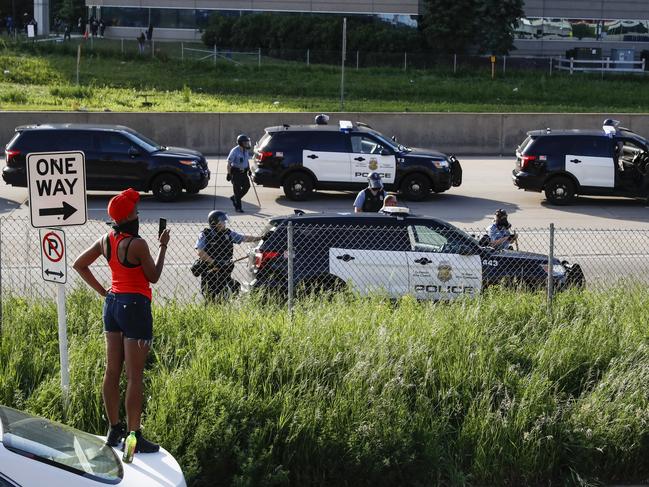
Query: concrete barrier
(453, 133)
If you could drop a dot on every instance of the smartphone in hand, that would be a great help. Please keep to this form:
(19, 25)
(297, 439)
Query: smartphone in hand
(162, 224)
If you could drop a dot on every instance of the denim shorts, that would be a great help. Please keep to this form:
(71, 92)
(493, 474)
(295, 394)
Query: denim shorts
(130, 314)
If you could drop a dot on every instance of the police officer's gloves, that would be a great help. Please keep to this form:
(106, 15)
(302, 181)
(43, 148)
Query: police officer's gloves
(228, 177)
(249, 173)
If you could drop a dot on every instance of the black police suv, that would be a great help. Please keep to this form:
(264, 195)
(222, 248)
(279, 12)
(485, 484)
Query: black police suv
(117, 158)
(302, 158)
(395, 253)
(564, 163)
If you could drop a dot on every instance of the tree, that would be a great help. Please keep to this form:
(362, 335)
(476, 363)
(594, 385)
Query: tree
(458, 26)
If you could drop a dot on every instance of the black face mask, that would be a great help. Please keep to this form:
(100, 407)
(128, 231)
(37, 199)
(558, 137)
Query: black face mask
(503, 222)
(131, 227)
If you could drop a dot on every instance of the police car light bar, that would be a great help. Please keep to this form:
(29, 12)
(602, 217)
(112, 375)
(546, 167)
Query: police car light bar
(396, 210)
(346, 126)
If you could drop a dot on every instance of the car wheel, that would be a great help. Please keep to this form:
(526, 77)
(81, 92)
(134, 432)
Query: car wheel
(298, 186)
(560, 191)
(415, 187)
(166, 187)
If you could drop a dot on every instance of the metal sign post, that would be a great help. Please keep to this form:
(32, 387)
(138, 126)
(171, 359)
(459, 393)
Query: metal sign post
(342, 72)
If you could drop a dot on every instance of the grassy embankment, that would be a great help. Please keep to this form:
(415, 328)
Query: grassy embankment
(366, 392)
(46, 80)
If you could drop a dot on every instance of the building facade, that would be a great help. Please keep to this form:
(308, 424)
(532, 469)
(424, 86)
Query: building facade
(618, 28)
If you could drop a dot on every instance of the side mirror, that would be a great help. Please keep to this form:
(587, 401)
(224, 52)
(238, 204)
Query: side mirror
(466, 250)
(133, 152)
(394, 138)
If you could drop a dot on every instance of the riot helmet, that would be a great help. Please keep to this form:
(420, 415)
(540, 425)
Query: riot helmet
(244, 141)
(215, 217)
(374, 180)
(501, 218)
(321, 119)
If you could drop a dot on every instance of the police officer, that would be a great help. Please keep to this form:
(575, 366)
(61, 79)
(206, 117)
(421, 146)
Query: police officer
(370, 200)
(500, 236)
(239, 170)
(215, 247)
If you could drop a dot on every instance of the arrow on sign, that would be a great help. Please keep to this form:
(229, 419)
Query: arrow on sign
(66, 210)
(52, 273)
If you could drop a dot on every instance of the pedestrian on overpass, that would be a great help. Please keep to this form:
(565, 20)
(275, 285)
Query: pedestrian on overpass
(128, 323)
(239, 170)
(370, 200)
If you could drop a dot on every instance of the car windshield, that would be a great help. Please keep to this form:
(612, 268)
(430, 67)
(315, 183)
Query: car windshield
(149, 145)
(389, 143)
(60, 446)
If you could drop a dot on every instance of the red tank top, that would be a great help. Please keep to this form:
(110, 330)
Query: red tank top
(125, 279)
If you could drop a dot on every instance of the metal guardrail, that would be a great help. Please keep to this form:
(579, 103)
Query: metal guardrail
(605, 65)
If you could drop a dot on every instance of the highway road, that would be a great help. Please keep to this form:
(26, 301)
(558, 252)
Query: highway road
(486, 187)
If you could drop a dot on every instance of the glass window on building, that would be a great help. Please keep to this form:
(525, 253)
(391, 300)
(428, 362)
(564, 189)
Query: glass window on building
(125, 16)
(582, 29)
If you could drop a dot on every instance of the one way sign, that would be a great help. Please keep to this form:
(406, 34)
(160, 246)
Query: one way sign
(57, 188)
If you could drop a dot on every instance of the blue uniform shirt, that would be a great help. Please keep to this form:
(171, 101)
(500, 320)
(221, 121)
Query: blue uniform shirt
(238, 158)
(201, 243)
(496, 232)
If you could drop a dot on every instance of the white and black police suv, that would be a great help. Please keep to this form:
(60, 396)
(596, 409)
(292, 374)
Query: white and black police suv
(397, 254)
(303, 158)
(564, 163)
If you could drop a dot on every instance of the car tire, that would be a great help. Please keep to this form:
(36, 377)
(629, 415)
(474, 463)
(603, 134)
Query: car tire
(560, 191)
(166, 187)
(298, 186)
(415, 187)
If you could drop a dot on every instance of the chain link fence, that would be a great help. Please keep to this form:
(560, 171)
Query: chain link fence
(426, 261)
(130, 48)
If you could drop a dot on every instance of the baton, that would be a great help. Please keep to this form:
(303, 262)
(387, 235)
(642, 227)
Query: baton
(255, 190)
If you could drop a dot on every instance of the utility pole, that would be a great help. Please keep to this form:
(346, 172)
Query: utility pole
(342, 72)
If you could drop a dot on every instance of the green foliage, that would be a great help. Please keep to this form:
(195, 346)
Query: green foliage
(458, 26)
(367, 392)
(295, 31)
(13, 96)
(67, 91)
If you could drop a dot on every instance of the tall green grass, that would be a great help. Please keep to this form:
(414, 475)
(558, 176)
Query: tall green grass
(120, 84)
(367, 392)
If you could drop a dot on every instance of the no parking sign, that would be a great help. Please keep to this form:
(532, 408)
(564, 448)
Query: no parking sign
(53, 255)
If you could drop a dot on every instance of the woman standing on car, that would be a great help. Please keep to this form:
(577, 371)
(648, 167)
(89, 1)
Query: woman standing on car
(128, 323)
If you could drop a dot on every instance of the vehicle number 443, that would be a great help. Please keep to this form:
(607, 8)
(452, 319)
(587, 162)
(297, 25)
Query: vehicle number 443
(490, 262)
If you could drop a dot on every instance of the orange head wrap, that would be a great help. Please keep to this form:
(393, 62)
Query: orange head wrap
(121, 206)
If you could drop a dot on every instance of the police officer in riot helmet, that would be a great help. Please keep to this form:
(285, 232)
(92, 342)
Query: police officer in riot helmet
(500, 235)
(321, 119)
(370, 200)
(215, 248)
(239, 170)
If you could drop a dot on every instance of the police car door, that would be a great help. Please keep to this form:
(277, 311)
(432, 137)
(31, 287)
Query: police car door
(590, 159)
(436, 268)
(327, 155)
(368, 155)
(373, 259)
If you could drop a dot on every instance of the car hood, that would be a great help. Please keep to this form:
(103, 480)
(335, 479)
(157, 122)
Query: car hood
(179, 152)
(522, 255)
(417, 152)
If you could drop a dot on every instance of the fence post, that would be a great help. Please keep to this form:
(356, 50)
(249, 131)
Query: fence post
(214, 54)
(358, 62)
(1, 296)
(182, 51)
(643, 63)
(551, 66)
(259, 57)
(289, 240)
(454, 63)
(308, 56)
(122, 45)
(572, 65)
(152, 48)
(550, 273)
(405, 61)
(504, 64)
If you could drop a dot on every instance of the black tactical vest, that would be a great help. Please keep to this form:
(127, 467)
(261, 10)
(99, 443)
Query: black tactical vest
(219, 245)
(373, 203)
